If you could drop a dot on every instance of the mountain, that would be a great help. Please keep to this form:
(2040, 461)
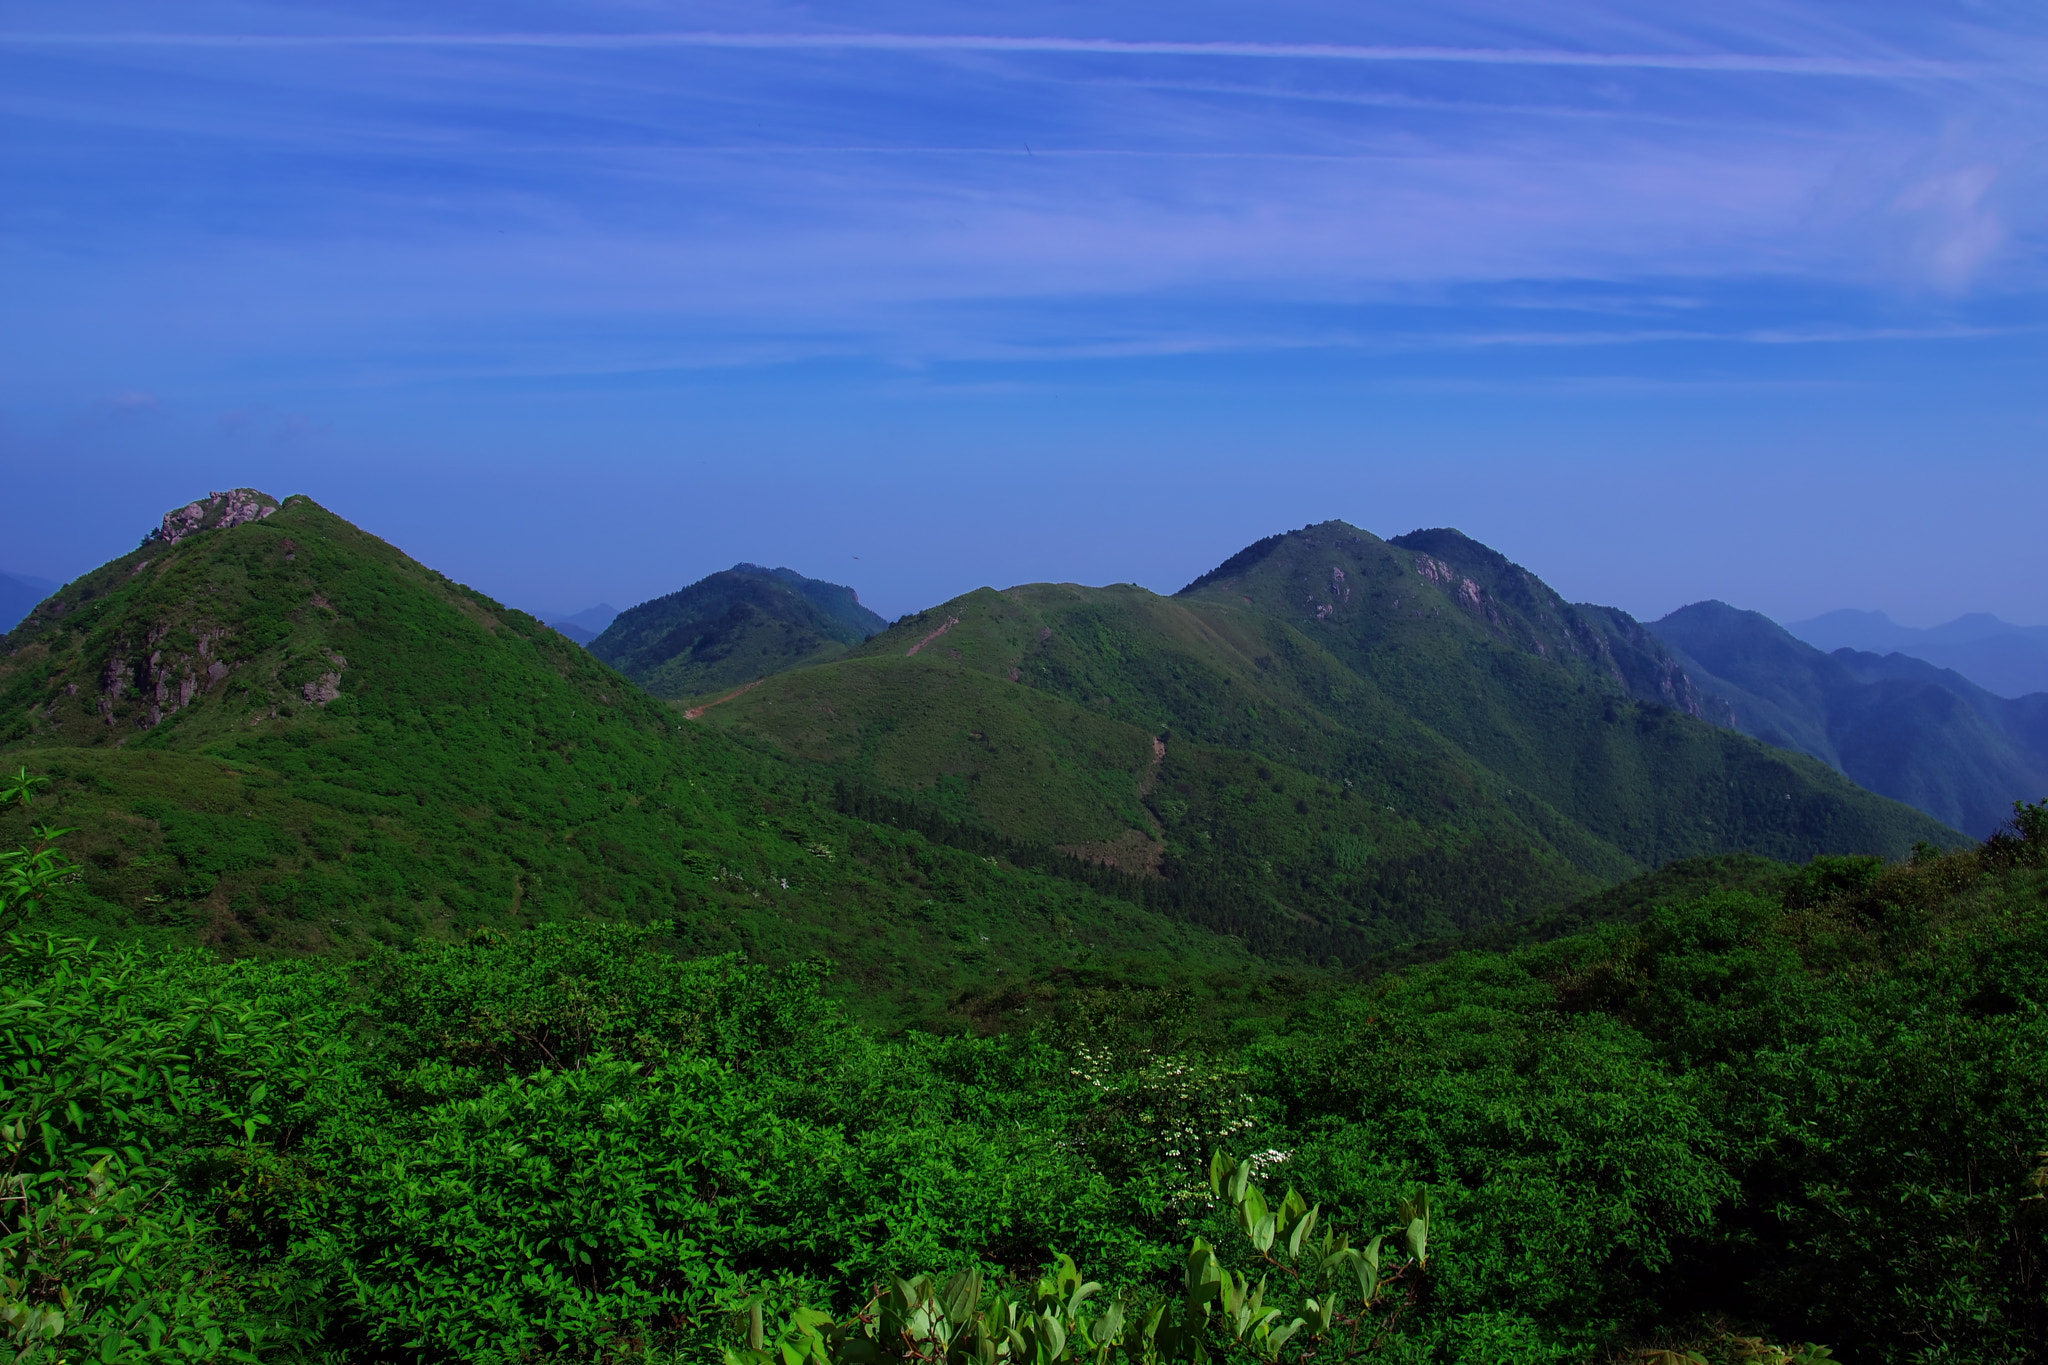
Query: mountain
(2009, 660)
(1331, 741)
(588, 624)
(277, 732)
(593, 619)
(19, 594)
(1900, 726)
(733, 627)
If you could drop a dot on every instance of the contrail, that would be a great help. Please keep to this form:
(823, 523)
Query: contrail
(925, 42)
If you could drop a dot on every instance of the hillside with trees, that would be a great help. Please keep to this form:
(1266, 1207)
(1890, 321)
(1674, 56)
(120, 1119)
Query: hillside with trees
(732, 627)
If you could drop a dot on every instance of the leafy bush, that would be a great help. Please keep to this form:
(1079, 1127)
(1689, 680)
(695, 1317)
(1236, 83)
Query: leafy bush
(1729, 1119)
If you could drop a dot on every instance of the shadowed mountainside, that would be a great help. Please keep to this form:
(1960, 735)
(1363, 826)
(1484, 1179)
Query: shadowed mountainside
(733, 627)
(1897, 725)
(19, 594)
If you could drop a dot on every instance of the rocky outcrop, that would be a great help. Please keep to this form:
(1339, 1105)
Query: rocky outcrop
(217, 513)
(163, 686)
(327, 686)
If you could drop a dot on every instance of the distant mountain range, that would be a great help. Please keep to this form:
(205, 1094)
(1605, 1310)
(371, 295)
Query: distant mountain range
(2009, 660)
(19, 594)
(1900, 726)
(732, 627)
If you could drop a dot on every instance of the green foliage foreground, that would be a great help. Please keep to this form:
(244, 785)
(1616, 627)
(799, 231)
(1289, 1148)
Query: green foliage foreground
(1809, 1113)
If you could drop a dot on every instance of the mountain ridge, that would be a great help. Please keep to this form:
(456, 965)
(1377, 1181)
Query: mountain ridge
(1326, 707)
(2008, 660)
(19, 595)
(285, 735)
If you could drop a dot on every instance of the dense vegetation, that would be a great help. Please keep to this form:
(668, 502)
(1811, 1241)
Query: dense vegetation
(1808, 1110)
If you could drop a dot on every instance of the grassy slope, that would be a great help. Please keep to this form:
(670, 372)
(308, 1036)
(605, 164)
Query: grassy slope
(475, 769)
(1349, 739)
(1264, 839)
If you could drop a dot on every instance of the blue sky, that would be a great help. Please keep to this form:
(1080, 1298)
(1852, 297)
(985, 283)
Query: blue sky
(582, 302)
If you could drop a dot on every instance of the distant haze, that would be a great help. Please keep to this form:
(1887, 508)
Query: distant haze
(19, 593)
(1998, 656)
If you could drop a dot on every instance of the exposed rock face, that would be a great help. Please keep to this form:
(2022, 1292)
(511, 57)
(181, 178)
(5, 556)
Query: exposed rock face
(327, 686)
(165, 686)
(218, 512)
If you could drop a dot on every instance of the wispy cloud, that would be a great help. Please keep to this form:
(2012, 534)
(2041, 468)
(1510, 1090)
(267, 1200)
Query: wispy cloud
(1749, 63)
(264, 191)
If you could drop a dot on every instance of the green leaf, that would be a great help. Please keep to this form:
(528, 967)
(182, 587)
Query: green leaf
(962, 1296)
(1251, 1207)
(1279, 1337)
(1052, 1333)
(1304, 1228)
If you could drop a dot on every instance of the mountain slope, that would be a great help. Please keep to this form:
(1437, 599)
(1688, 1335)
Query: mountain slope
(1897, 725)
(1374, 740)
(278, 732)
(733, 627)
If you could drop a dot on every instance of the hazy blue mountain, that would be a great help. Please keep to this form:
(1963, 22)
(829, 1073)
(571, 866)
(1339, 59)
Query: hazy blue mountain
(1898, 725)
(19, 593)
(732, 628)
(593, 620)
(585, 625)
(2009, 660)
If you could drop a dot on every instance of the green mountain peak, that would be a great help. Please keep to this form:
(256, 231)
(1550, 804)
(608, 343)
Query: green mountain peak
(283, 734)
(733, 627)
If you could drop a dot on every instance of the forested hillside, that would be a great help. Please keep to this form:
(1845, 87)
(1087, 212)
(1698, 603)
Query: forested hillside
(385, 978)
(1723, 1125)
